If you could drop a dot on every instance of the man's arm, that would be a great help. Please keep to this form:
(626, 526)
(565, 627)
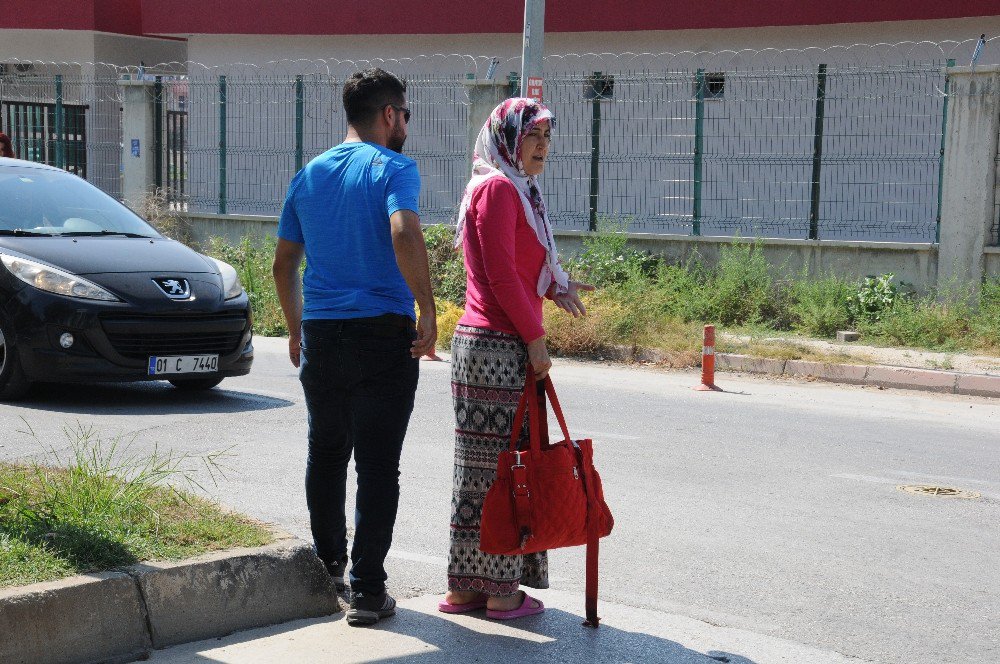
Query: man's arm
(411, 257)
(287, 259)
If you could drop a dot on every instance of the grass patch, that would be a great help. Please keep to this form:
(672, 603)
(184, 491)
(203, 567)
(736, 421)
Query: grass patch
(104, 506)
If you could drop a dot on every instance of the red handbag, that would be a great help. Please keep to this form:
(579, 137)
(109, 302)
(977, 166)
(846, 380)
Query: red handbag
(547, 496)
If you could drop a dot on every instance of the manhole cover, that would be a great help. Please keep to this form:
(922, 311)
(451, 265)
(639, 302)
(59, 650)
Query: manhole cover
(945, 491)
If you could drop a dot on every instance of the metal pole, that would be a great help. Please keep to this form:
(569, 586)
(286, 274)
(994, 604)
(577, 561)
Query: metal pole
(299, 114)
(222, 145)
(699, 137)
(533, 44)
(944, 127)
(60, 128)
(158, 132)
(817, 153)
(595, 152)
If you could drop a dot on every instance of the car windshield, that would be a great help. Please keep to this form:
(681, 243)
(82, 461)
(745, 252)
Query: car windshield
(35, 201)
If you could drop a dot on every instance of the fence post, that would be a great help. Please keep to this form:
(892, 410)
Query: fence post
(158, 132)
(817, 153)
(595, 151)
(138, 140)
(513, 85)
(60, 125)
(699, 139)
(222, 145)
(299, 120)
(944, 128)
(969, 181)
(484, 95)
(597, 88)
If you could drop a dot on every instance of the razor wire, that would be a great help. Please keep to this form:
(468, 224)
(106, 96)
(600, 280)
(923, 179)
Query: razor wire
(713, 143)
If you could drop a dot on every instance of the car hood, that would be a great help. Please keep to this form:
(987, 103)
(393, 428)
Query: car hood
(104, 255)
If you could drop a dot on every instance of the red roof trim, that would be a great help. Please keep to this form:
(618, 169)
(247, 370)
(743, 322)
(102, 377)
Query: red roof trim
(346, 17)
(116, 16)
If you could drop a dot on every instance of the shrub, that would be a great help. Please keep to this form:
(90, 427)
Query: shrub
(985, 323)
(607, 259)
(740, 289)
(447, 267)
(821, 307)
(587, 336)
(872, 298)
(922, 322)
(448, 314)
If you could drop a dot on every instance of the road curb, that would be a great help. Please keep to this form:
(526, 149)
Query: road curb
(882, 376)
(119, 616)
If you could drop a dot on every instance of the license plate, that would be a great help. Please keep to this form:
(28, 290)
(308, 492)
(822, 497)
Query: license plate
(182, 364)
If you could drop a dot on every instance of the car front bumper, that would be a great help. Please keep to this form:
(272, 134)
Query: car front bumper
(113, 341)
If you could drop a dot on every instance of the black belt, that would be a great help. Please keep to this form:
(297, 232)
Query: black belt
(394, 320)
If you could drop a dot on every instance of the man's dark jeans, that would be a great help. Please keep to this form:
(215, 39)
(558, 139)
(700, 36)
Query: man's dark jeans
(359, 382)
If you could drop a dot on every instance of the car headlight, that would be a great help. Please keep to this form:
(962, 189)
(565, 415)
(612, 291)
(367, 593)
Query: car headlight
(230, 280)
(54, 280)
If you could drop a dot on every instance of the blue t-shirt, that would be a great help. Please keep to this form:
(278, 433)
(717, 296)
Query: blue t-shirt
(338, 206)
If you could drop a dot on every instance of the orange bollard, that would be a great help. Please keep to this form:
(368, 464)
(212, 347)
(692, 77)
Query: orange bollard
(708, 363)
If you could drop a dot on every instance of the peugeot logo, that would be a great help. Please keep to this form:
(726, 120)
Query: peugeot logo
(174, 287)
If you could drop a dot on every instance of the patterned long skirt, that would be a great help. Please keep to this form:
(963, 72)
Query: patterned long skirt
(487, 380)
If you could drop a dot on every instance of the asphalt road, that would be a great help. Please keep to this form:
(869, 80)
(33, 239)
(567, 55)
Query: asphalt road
(772, 507)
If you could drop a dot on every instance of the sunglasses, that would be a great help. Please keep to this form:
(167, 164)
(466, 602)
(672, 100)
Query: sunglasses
(402, 109)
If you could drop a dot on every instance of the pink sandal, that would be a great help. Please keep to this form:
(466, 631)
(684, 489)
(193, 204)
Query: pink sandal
(444, 606)
(529, 607)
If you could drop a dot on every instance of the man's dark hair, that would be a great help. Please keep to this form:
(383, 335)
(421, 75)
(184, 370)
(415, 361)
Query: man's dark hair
(367, 92)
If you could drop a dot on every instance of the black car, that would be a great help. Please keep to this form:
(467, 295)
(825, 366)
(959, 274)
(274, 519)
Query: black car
(91, 292)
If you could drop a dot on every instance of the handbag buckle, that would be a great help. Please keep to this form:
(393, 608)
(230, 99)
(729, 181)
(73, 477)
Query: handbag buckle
(517, 460)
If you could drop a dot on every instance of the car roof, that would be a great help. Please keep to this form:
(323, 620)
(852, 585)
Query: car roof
(21, 163)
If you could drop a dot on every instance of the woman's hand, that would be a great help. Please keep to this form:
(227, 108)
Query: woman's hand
(538, 355)
(570, 300)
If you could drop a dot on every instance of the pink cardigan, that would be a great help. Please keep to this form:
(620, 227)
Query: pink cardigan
(503, 259)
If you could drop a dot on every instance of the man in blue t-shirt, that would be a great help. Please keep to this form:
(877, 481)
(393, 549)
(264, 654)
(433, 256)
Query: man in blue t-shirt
(352, 214)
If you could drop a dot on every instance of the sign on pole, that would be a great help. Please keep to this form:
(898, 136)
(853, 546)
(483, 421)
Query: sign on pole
(535, 88)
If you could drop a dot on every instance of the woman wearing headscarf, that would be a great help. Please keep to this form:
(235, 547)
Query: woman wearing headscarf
(511, 264)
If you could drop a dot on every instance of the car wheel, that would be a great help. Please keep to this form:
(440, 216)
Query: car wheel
(195, 384)
(13, 384)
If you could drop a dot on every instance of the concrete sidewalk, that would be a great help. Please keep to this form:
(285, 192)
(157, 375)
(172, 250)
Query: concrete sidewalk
(418, 632)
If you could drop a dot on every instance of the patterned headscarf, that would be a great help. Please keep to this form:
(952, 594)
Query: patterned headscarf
(497, 155)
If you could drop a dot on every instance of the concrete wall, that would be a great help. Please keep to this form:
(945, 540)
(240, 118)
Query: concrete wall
(84, 46)
(910, 262)
(47, 45)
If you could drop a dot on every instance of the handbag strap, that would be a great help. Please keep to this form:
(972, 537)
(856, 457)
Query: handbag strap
(593, 538)
(533, 408)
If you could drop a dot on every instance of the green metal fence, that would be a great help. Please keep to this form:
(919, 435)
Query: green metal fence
(247, 137)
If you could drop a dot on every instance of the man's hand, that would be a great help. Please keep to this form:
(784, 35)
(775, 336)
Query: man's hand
(411, 257)
(426, 334)
(570, 300)
(538, 355)
(287, 258)
(295, 349)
